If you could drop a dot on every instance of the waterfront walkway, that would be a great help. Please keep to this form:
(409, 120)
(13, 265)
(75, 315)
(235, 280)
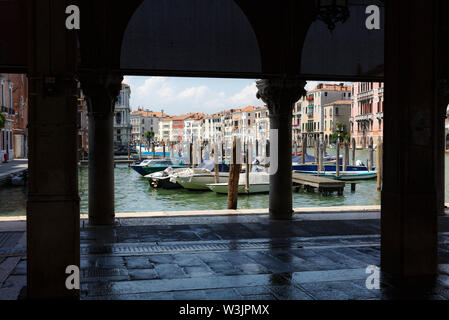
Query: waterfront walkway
(12, 167)
(247, 256)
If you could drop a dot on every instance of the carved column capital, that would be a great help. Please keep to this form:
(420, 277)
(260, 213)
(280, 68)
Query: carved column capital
(101, 90)
(280, 94)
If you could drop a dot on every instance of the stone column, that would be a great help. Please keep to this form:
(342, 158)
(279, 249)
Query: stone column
(101, 91)
(280, 95)
(53, 221)
(413, 150)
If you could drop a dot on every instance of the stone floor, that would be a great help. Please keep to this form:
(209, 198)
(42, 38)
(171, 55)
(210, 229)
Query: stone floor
(242, 257)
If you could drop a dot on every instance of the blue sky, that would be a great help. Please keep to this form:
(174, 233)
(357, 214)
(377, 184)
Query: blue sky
(182, 95)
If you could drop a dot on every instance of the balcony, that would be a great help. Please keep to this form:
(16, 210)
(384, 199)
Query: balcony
(363, 117)
(379, 115)
(8, 110)
(365, 95)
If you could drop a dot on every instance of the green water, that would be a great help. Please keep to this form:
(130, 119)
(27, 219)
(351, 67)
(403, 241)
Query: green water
(133, 194)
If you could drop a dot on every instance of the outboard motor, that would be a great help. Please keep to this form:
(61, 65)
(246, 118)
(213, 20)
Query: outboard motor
(359, 163)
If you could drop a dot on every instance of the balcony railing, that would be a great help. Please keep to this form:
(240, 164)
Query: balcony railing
(8, 110)
(379, 115)
(365, 95)
(363, 117)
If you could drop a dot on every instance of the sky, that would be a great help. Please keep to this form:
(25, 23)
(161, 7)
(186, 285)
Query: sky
(182, 95)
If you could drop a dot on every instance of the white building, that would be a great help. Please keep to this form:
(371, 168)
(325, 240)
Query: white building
(312, 107)
(143, 121)
(192, 130)
(122, 120)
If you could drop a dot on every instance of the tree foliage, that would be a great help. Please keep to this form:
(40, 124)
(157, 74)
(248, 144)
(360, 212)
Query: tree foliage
(340, 132)
(150, 134)
(2, 120)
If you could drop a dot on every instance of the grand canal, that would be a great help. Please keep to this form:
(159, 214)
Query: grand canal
(133, 194)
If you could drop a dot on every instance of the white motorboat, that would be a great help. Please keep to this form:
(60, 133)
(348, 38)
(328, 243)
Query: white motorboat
(198, 178)
(259, 182)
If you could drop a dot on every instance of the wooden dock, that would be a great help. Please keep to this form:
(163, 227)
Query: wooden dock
(324, 185)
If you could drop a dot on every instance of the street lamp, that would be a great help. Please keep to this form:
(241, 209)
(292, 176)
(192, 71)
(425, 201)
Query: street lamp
(332, 11)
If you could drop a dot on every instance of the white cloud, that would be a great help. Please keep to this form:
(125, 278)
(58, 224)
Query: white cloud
(175, 97)
(194, 92)
(246, 97)
(165, 93)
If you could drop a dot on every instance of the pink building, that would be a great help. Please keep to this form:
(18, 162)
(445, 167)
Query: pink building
(367, 112)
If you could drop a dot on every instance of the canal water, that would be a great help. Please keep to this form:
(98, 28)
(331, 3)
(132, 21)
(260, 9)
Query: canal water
(133, 194)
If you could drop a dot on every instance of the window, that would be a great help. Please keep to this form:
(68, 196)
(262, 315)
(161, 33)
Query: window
(325, 94)
(118, 118)
(3, 94)
(10, 97)
(21, 106)
(336, 111)
(78, 120)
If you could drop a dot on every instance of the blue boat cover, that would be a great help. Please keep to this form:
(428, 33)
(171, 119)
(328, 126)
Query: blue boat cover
(298, 159)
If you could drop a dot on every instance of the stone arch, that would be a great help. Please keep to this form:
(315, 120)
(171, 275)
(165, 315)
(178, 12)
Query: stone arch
(207, 37)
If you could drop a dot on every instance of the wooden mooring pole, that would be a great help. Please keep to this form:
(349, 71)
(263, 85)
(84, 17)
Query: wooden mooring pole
(353, 151)
(304, 149)
(140, 150)
(379, 164)
(247, 168)
(129, 154)
(345, 156)
(234, 174)
(216, 165)
(190, 159)
(337, 164)
(370, 155)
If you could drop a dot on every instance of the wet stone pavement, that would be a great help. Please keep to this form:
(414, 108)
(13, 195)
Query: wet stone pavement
(243, 258)
(234, 257)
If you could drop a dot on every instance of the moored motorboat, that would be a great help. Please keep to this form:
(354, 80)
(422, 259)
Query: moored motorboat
(329, 171)
(161, 179)
(154, 165)
(198, 178)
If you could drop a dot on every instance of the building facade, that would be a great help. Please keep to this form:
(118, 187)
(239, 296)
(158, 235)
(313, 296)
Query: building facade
(82, 124)
(366, 120)
(312, 108)
(143, 121)
(336, 112)
(14, 107)
(122, 120)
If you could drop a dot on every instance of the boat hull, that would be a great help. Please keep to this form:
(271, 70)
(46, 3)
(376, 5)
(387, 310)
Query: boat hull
(222, 188)
(344, 175)
(164, 183)
(199, 181)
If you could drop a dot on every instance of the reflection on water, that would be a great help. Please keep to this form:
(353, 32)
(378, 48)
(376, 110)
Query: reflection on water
(12, 200)
(133, 194)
